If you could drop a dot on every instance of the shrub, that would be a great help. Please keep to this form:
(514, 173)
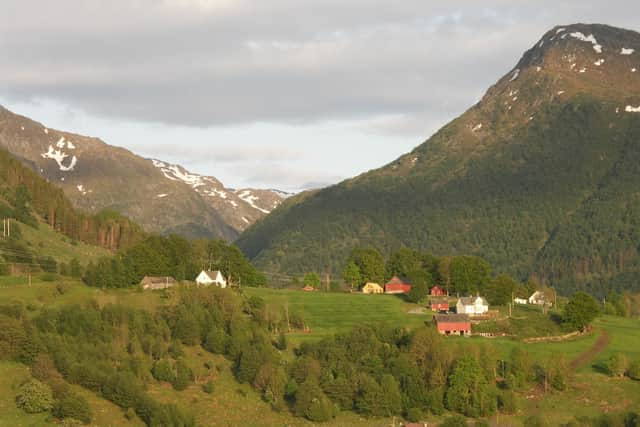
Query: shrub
(634, 370)
(163, 371)
(72, 406)
(34, 397)
(414, 415)
(183, 377)
(455, 421)
(617, 365)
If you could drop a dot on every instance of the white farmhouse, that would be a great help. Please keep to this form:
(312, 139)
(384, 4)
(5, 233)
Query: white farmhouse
(207, 278)
(540, 298)
(472, 305)
(521, 301)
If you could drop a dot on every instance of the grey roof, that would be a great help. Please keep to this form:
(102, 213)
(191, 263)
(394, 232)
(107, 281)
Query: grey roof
(213, 274)
(472, 300)
(158, 279)
(452, 318)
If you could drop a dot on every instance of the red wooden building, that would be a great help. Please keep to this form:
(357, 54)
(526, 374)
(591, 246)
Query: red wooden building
(397, 286)
(453, 324)
(439, 303)
(437, 291)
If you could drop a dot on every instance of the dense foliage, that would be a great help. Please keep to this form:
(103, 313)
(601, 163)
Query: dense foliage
(549, 199)
(24, 193)
(172, 256)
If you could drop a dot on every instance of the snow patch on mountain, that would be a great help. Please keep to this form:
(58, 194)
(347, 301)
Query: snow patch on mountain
(515, 75)
(59, 156)
(81, 189)
(631, 109)
(246, 196)
(589, 39)
(626, 51)
(161, 196)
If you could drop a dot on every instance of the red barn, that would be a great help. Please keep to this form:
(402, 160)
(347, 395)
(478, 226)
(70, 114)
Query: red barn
(397, 286)
(453, 324)
(439, 304)
(437, 291)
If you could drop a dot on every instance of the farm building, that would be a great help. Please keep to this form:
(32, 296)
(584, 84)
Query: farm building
(437, 291)
(540, 298)
(453, 324)
(521, 301)
(439, 303)
(372, 288)
(472, 305)
(157, 282)
(207, 278)
(397, 286)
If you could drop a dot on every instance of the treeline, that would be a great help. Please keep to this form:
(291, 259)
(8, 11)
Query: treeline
(461, 275)
(24, 193)
(172, 256)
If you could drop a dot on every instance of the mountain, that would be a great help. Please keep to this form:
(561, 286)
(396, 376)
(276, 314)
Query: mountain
(28, 198)
(540, 177)
(161, 197)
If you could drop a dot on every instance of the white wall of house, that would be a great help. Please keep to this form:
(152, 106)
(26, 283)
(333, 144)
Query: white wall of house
(203, 279)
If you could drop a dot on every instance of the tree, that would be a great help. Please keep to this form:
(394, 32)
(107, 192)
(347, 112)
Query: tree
(580, 311)
(183, 377)
(34, 396)
(351, 275)
(404, 261)
(500, 289)
(617, 365)
(72, 406)
(468, 391)
(370, 263)
(420, 283)
(312, 403)
(312, 279)
(469, 274)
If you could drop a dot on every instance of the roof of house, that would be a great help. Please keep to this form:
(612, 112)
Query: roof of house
(373, 284)
(452, 318)
(395, 280)
(158, 279)
(472, 300)
(213, 274)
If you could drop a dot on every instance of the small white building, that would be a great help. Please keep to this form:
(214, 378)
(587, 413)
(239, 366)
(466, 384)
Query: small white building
(472, 305)
(540, 298)
(207, 278)
(521, 301)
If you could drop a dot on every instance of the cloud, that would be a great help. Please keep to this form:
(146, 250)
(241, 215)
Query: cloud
(208, 63)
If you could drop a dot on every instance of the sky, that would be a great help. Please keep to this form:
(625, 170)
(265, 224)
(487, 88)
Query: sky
(284, 94)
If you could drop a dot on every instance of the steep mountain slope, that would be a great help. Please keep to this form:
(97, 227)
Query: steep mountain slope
(161, 197)
(26, 197)
(540, 177)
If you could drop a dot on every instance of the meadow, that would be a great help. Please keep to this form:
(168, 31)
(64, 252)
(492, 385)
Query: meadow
(590, 392)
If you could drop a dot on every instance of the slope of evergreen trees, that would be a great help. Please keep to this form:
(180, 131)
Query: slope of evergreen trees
(552, 199)
(172, 256)
(24, 193)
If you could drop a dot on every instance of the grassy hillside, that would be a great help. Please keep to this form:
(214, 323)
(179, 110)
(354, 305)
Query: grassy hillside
(589, 393)
(539, 178)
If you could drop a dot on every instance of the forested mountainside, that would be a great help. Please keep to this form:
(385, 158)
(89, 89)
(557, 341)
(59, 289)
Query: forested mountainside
(540, 177)
(161, 197)
(25, 195)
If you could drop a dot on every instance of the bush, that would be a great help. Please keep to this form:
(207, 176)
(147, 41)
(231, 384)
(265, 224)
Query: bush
(183, 377)
(634, 370)
(72, 406)
(48, 277)
(617, 365)
(455, 421)
(163, 371)
(414, 415)
(34, 397)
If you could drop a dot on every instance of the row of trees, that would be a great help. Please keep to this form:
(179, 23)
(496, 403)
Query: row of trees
(463, 275)
(172, 256)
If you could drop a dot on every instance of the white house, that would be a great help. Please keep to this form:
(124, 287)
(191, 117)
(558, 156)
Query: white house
(540, 298)
(472, 305)
(521, 301)
(207, 278)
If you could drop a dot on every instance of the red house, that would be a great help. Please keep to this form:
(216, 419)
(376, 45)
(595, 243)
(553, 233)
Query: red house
(439, 303)
(437, 291)
(397, 286)
(453, 324)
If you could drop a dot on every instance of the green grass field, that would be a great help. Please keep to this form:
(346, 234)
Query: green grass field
(46, 242)
(329, 313)
(232, 404)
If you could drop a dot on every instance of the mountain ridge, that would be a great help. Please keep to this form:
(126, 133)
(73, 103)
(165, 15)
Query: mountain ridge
(497, 181)
(96, 175)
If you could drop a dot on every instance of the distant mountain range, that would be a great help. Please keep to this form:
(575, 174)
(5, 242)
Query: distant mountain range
(541, 178)
(159, 196)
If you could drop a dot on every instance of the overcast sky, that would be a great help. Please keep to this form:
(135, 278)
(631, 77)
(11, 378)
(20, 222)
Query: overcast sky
(287, 94)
